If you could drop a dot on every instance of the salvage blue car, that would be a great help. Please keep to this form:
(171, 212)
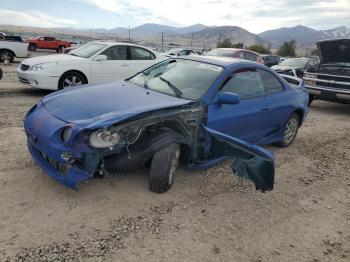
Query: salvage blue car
(197, 110)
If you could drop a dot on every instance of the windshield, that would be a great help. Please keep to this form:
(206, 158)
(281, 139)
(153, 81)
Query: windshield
(294, 62)
(173, 51)
(220, 52)
(87, 50)
(177, 77)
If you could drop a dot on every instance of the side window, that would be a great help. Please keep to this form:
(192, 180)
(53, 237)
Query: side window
(117, 52)
(41, 39)
(183, 52)
(49, 39)
(251, 57)
(271, 84)
(246, 83)
(140, 54)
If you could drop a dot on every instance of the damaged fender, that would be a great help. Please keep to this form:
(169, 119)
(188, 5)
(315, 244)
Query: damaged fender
(251, 162)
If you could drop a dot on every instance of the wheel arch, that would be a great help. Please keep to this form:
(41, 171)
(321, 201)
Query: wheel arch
(300, 113)
(6, 49)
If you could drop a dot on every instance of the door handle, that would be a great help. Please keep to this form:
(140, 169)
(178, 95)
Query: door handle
(265, 109)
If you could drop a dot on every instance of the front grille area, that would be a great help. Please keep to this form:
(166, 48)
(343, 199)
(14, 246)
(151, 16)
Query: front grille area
(334, 78)
(24, 67)
(333, 81)
(332, 85)
(61, 168)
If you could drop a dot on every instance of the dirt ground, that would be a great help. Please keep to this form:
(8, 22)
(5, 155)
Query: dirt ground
(206, 216)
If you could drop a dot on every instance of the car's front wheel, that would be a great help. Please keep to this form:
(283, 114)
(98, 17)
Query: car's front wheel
(290, 130)
(71, 79)
(163, 168)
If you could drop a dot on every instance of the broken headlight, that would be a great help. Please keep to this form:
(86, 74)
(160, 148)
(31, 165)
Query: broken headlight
(104, 138)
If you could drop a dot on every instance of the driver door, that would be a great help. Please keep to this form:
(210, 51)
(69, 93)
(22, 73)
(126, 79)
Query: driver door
(248, 120)
(116, 67)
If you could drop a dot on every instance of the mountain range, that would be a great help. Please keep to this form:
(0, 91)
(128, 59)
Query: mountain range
(200, 35)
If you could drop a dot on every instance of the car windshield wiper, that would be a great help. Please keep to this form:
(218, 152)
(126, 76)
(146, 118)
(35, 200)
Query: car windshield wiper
(73, 54)
(177, 91)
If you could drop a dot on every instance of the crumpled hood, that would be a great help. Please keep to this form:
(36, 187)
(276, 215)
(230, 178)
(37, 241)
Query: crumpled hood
(102, 105)
(334, 51)
(51, 58)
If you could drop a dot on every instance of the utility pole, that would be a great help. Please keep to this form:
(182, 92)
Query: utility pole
(162, 40)
(129, 33)
(192, 41)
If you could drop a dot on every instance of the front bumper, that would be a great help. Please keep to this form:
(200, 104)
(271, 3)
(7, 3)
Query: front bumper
(39, 80)
(330, 94)
(69, 163)
(53, 168)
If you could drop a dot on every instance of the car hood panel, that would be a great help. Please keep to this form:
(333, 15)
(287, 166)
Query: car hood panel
(334, 51)
(101, 104)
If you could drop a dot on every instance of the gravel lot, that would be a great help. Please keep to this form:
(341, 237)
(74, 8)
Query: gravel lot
(207, 215)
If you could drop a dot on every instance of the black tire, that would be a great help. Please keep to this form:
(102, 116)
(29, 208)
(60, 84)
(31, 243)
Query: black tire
(6, 56)
(32, 47)
(60, 49)
(290, 131)
(70, 76)
(163, 168)
(1, 73)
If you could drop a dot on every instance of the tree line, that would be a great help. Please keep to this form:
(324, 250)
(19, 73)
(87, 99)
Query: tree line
(286, 49)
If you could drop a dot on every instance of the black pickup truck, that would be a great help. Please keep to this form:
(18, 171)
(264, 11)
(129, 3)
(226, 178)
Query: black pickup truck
(329, 79)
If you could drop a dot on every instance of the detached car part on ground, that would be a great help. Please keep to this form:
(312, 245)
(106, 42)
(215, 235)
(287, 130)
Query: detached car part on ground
(185, 108)
(92, 63)
(329, 79)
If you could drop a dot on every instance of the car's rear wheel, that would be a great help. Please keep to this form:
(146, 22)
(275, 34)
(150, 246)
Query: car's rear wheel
(6, 56)
(290, 130)
(163, 168)
(1, 74)
(32, 47)
(60, 49)
(71, 79)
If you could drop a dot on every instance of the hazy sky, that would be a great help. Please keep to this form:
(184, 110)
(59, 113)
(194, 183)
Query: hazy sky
(253, 15)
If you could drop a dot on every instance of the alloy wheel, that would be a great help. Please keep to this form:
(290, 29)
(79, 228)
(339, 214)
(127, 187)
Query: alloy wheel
(71, 81)
(291, 130)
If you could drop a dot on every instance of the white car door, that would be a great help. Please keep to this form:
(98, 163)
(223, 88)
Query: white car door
(116, 67)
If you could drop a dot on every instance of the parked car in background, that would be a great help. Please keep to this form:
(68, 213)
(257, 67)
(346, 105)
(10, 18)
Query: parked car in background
(201, 109)
(329, 77)
(10, 49)
(95, 62)
(292, 66)
(180, 52)
(48, 42)
(236, 53)
(271, 60)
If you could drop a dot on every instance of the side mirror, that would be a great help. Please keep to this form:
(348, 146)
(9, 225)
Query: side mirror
(100, 58)
(228, 98)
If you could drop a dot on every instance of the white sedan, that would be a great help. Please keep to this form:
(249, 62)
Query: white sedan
(95, 62)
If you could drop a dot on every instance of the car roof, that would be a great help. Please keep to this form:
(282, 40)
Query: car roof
(216, 60)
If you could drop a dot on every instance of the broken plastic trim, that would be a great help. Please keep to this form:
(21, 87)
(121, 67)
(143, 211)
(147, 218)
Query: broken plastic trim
(251, 162)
